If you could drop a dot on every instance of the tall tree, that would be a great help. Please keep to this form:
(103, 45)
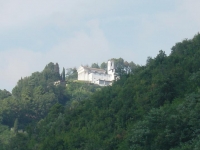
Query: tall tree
(104, 66)
(63, 74)
(15, 128)
(56, 68)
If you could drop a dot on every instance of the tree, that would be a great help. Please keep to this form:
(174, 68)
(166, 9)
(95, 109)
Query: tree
(56, 68)
(104, 66)
(63, 74)
(4, 94)
(95, 65)
(15, 128)
(71, 74)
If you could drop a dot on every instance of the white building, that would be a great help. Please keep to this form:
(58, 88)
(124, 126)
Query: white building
(97, 76)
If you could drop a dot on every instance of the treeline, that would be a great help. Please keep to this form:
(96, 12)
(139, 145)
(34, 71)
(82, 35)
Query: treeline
(32, 97)
(122, 67)
(155, 107)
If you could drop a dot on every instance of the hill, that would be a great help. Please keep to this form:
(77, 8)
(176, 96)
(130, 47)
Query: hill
(156, 107)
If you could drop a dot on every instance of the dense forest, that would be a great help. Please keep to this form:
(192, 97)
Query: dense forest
(151, 107)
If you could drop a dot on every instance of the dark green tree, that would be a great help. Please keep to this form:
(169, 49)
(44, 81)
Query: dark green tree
(4, 94)
(71, 74)
(63, 74)
(15, 128)
(104, 66)
(95, 65)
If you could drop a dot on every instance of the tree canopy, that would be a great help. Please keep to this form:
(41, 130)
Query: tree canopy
(151, 107)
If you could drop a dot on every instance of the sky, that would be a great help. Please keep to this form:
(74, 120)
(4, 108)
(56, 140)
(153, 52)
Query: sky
(81, 32)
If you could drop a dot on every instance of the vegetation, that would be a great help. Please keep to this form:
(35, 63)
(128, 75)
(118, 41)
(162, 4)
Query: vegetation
(151, 107)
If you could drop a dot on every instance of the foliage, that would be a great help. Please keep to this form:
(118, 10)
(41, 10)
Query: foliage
(5, 136)
(123, 67)
(151, 107)
(103, 66)
(71, 74)
(4, 94)
(32, 97)
(63, 75)
(95, 65)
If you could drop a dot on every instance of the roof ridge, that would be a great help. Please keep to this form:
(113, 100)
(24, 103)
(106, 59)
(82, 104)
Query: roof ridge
(93, 68)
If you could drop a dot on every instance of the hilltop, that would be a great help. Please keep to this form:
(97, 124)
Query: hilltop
(153, 107)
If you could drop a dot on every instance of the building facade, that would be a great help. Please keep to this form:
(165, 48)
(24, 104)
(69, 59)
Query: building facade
(97, 76)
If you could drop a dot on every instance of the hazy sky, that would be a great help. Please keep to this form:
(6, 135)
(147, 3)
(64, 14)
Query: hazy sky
(74, 32)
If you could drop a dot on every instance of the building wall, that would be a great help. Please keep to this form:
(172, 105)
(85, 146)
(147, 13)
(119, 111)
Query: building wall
(103, 82)
(83, 74)
(97, 76)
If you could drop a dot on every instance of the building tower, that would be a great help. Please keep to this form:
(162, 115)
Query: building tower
(111, 69)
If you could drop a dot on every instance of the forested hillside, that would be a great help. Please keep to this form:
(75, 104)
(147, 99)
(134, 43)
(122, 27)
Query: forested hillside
(151, 107)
